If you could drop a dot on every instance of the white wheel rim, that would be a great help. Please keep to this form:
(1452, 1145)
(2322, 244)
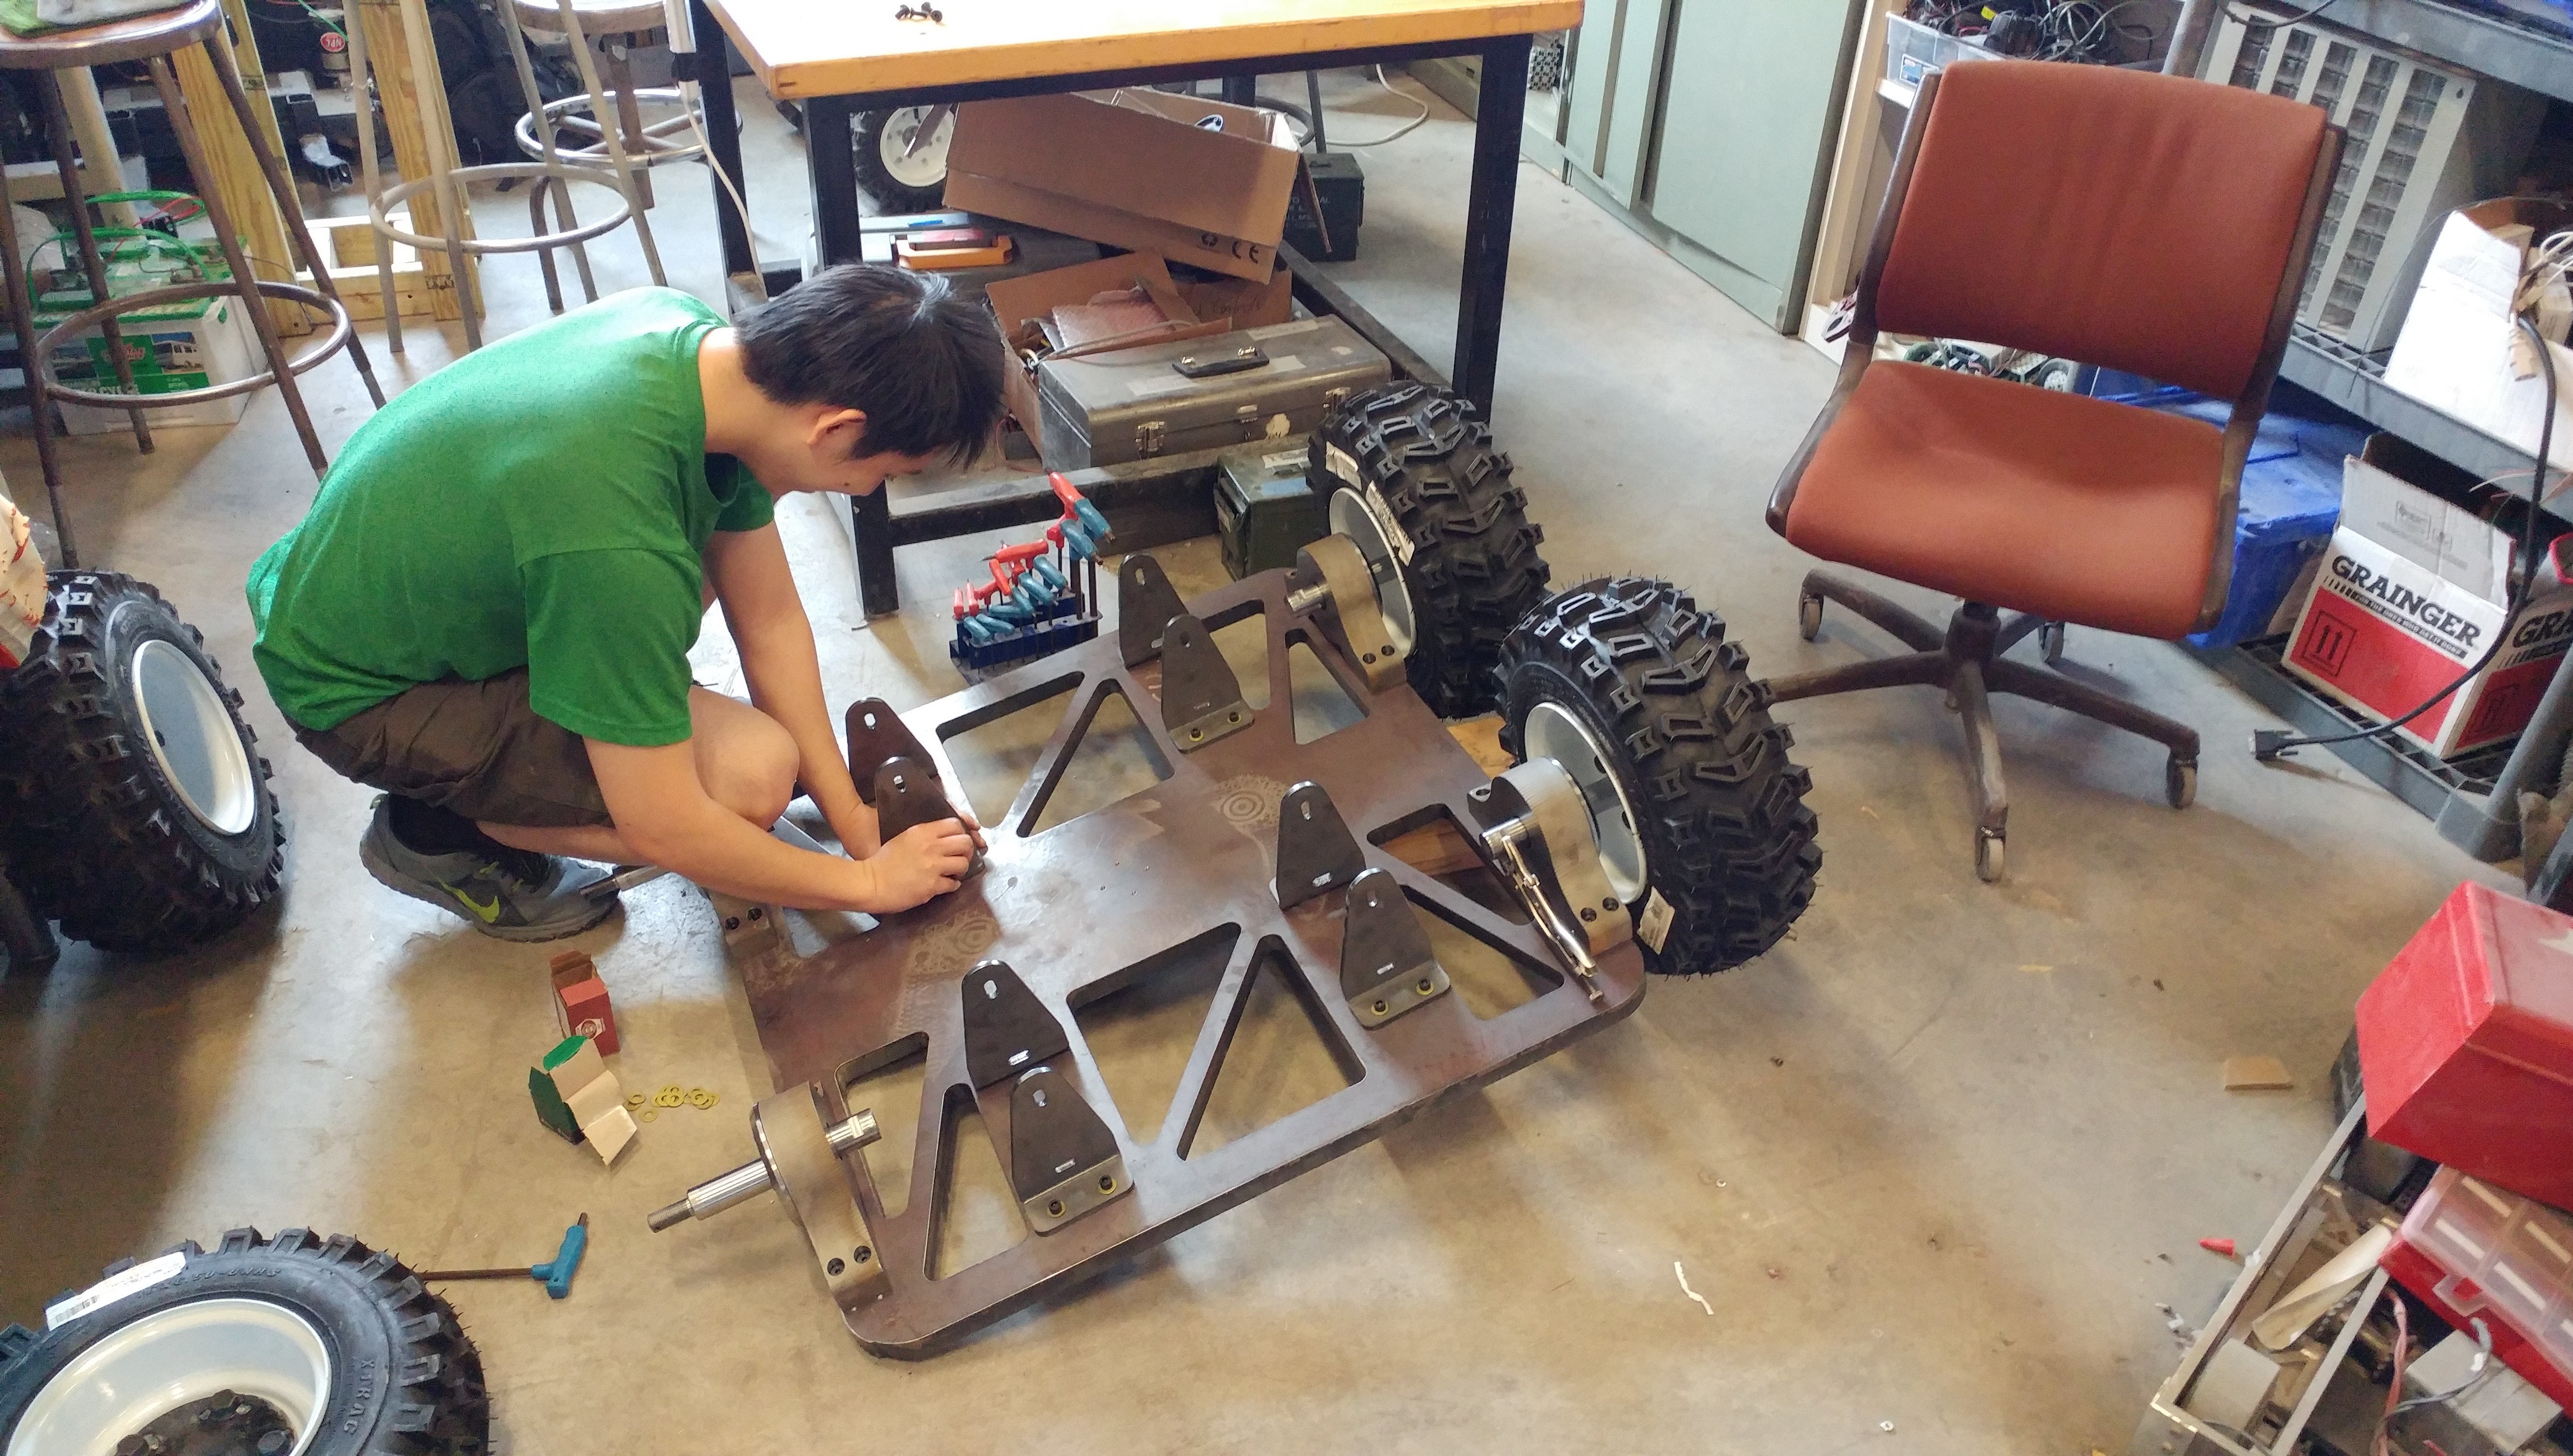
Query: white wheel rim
(191, 737)
(1553, 731)
(176, 1357)
(1351, 518)
(926, 166)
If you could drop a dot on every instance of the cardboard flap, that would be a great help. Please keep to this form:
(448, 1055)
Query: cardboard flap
(1132, 158)
(2447, 540)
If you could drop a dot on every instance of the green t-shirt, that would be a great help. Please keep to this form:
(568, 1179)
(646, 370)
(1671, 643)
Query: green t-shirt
(543, 504)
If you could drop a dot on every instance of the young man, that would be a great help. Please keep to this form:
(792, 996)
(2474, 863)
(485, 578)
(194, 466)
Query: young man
(488, 609)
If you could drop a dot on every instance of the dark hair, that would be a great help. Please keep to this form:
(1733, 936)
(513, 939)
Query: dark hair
(925, 364)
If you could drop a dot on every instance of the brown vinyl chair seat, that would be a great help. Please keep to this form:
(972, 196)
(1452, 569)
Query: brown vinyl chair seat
(2070, 508)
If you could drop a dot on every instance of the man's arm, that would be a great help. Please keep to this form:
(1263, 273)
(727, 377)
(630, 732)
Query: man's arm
(750, 577)
(664, 817)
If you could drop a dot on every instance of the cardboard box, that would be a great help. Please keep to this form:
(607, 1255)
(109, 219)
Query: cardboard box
(1193, 181)
(2455, 353)
(581, 1007)
(578, 1099)
(2412, 590)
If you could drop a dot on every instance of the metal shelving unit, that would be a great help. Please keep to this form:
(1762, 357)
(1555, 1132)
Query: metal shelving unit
(2471, 800)
(2356, 383)
(2519, 54)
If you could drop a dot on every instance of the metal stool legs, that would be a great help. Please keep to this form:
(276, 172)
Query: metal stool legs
(43, 391)
(618, 159)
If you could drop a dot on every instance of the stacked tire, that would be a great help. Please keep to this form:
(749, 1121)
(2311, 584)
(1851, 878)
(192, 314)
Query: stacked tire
(134, 805)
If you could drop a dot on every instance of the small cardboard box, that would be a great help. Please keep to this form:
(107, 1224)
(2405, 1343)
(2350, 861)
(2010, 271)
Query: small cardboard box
(2455, 353)
(2412, 590)
(578, 1099)
(1195, 181)
(581, 1007)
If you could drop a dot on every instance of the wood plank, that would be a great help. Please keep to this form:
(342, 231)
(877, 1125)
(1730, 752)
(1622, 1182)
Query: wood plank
(237, 176)
(424, 140)
(347, 247)
(90, 131)
(801, 49)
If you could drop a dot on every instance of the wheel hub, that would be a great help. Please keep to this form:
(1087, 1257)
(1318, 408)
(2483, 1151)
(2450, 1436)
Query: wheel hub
(1353, 517)
(265, 1355)
(191, 735)
(912, 159)
(1554, 731)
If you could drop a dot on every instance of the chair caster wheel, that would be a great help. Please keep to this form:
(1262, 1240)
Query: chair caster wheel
(2180, 782)
(1988, 856)
(2049, 642)
(1809, 618)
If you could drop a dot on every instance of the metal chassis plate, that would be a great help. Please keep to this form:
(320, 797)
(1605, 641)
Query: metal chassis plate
(1079, 907)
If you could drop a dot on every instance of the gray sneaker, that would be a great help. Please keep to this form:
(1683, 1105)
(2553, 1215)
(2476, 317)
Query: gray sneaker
(521, 896)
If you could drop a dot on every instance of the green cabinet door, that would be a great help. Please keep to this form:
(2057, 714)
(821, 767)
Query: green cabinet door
(1747, 129)
(1617, 76)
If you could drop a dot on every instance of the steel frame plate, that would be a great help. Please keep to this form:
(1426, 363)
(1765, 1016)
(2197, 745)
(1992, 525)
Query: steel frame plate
(1080, 909)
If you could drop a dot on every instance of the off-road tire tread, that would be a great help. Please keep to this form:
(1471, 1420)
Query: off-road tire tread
(1475, 570)
(1728, 840)
(442, 1408)
(91, 833)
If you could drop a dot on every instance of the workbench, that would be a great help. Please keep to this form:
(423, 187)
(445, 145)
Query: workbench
(841, 59)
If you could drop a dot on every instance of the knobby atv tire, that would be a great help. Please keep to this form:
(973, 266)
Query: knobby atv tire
(405, 1380)
(866, 140)
(94, 831)
(1475, 570)
(1728, 842)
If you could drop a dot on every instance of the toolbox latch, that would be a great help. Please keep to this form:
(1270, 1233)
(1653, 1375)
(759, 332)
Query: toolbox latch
(1147, 438)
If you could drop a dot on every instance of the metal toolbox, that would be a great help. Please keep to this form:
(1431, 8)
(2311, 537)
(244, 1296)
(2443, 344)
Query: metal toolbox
(1199, 394)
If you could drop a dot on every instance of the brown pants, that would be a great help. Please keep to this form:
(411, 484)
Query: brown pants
(475, 748)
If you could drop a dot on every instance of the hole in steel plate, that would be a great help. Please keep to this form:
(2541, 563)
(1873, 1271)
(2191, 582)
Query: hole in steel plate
(1436, 844)
(1142, 1023)
(1323, 706)
(977, 1216)
(995, 749)
(1244, 641)
(888, 1084)
(1113, 756)
(1279, 1056)
(1489, 980)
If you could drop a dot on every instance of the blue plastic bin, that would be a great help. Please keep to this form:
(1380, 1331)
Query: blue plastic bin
(2290, 502)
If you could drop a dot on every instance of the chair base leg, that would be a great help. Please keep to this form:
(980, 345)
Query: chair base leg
(1966, 661)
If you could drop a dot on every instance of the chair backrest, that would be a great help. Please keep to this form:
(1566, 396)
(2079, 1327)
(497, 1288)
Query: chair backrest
(2125, 219)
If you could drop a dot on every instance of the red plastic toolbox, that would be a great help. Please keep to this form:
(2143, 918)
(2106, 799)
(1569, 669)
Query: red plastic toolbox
(2465, 1043)
(2470, 1249)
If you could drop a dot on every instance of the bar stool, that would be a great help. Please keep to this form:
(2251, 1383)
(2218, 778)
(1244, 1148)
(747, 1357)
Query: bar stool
(153, 39)
(647, 146)
(556, 169)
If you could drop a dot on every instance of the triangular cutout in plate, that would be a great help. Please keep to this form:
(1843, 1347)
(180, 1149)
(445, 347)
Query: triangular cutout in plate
(1281, 1054)
(1142, 1023)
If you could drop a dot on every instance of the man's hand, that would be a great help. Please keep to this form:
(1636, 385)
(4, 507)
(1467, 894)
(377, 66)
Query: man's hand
(923, 862)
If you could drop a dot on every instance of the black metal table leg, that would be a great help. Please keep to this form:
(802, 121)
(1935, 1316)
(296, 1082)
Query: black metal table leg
(723, 136)
(1241, 90)
(832, 165)
(1499, 111)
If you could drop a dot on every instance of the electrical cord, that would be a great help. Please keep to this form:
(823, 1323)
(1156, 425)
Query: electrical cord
(2272, 743)
(1399, 133)
(2481, 1369)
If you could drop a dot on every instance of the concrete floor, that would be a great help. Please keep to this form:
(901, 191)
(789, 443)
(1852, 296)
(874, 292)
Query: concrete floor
(1933, 1163)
